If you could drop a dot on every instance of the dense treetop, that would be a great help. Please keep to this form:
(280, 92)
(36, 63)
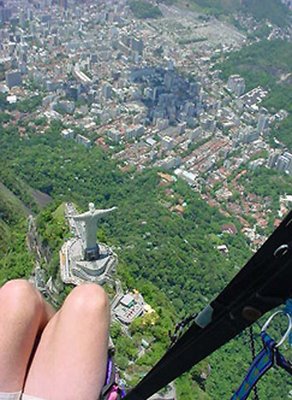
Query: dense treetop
(143, 9)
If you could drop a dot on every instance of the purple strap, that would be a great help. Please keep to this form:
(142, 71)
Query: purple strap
(115, 392)
(109, 370)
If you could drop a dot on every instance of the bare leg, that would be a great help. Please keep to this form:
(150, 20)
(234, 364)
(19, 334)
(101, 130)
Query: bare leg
(23, 314)
(70, 361)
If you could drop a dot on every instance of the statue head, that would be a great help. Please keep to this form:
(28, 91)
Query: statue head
(91, 207)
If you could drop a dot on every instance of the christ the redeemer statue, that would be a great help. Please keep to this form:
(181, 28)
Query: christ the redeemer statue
(89, 230)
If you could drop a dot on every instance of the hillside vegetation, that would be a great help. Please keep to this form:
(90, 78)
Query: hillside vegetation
(172, 259)
(15, 260)
(11, 208)
(143, 9)
(272, 10)
(268, 64)
(262, 63)
(12, 211)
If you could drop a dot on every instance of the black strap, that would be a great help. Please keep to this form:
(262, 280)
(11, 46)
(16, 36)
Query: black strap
(282, 362)
(253, 353)
(263, 284)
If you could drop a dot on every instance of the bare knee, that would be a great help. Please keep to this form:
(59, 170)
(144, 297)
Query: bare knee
(20, 298)
(88, 299)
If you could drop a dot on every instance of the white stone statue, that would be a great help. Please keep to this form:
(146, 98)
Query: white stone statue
(89, 220)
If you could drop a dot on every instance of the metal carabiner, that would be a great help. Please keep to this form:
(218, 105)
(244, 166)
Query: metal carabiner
(281, 250)
(286, 334)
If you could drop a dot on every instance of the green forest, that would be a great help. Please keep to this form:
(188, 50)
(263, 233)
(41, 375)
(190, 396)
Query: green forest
(273, 10)
(171, 259)
(143, 10)
(268, 64)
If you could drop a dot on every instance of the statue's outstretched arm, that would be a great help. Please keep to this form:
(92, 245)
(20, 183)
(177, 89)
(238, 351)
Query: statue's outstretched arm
(105, 211)
(80, 217)
(88, 214)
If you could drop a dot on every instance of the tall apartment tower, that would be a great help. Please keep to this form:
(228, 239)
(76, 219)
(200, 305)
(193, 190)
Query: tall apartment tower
(273, 159)
(13, 78)
(263, 121)
(64, 4)
(236, 85)
(5, 12)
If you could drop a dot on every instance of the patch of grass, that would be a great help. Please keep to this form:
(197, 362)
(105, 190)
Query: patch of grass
(11, 208)
(59, 213)
(143, 10)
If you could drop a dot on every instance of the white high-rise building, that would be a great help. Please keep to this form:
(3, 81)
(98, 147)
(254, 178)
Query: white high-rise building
(236, 85)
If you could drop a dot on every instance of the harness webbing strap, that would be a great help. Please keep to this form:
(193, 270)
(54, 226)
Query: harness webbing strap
(263, 284)
(288, 310)
(111, 389)
(261, 364)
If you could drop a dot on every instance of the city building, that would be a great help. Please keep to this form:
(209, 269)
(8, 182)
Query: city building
(83, 140)
(281, 162)
(5, 13)
(273, 159)
(114, 135)
(236, 85)
(248, 135)
(134, 132)
(167, 143)
(13, 78)
(263, 122)
(107, 91)
(68, 134)
(129, 307)
(137, 45)
(64, 4)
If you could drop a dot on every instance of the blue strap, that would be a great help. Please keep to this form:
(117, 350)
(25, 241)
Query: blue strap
(288, 310)
(260, 365)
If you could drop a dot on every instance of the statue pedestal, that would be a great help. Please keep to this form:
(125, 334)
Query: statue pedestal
(76, 270)
(92, 254)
